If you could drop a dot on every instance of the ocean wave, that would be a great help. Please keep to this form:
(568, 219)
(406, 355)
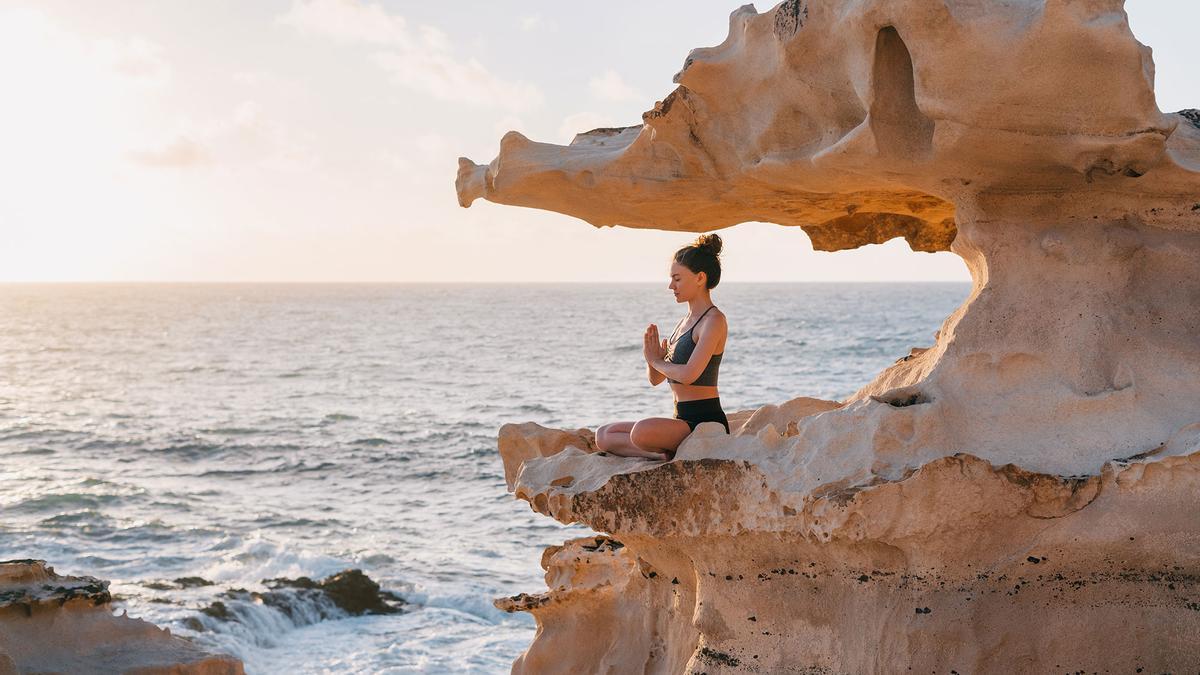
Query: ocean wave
(155, 531)
(375, 559)
(386, 457)
(64, 501)
(39, 434)
(485, 451)
(271, 521)
(302, 467)
(522, 408)
(231, 431)
(77, 520)
(290, 467)
(248, 559)
(196, 369)
(201, 449)
(454, 434)
(108, 444)
(436, 473)
(34, 451)
(261, 618)
(190, 450)
(476, 603)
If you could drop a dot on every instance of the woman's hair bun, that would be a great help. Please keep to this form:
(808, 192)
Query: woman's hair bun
(709, 243)
(703, 255)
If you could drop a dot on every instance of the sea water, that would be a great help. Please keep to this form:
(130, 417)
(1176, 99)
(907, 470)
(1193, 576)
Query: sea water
(242, 432)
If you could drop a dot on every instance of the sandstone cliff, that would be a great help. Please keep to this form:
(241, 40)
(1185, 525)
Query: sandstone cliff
(55, 624)
(1021, 496)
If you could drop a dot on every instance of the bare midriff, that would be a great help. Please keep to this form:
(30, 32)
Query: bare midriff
(691, 392)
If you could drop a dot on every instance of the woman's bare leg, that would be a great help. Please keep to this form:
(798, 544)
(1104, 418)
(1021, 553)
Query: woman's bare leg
(614, 439)
(660, 435)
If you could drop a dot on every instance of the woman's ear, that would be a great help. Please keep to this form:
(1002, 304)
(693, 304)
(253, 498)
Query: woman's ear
(703, 277)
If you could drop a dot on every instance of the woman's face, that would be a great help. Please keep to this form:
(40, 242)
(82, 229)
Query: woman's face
(685, 284)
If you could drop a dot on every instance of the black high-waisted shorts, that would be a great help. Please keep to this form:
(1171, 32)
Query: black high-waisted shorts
(704, 410)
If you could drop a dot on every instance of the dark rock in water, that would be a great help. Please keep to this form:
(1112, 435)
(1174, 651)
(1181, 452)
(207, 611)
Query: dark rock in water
(180, 582)
(218, 610)
(351, 590)
(306, 601)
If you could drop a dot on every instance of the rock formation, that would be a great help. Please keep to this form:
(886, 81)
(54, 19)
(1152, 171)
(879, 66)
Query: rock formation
(1021, 496)
(302, 600)
(55, 624)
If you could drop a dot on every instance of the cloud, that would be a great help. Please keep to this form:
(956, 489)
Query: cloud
(247, 138)
(182, 152)
(33, 43)
(535, 22)
(73, 104)
(136, 58)
(256, 78)
(532, 22)
(346, 21)
(581, 122)
(509, 123)
(611, 87)
(433, 146)
(422, 58)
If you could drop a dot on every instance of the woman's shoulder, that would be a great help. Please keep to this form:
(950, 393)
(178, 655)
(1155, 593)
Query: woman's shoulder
(715, 317)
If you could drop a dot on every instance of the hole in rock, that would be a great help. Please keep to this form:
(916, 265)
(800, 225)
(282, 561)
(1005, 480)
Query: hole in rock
(901, 129)
(903, 397)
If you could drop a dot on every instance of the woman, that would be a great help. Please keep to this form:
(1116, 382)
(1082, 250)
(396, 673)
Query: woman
(689, 360)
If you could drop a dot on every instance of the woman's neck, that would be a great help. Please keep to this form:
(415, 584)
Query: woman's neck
(699, 303)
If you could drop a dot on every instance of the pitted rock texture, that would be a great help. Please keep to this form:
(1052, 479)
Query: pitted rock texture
(960, 564)
(865, 121)
(55, 624)
(1020, 496)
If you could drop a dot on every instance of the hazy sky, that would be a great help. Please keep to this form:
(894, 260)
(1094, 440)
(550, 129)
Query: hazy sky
(316, 140)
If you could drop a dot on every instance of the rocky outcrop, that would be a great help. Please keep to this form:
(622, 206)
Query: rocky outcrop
(960, 564)
(55, 624)
(302, 601)
(1020, 496)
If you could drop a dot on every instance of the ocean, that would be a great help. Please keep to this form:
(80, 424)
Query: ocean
(245, 432)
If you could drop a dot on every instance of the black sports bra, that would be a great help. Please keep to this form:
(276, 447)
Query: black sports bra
(679, 350)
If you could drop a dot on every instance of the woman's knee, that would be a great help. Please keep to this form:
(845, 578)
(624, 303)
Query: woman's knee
(642, 435)
(602, 436)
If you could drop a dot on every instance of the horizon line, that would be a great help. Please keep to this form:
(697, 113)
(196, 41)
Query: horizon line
(462, 283)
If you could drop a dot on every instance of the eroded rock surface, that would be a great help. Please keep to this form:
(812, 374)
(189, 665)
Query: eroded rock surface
(1021, 496)
(61, 624)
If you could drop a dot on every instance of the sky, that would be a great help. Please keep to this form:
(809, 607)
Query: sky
(317, 140)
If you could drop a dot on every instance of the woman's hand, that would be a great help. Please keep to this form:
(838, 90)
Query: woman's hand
(653, 348)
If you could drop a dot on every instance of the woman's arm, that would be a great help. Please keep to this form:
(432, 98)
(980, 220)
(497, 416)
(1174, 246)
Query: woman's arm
(715, 328)
(651, 337)
(656, 378)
